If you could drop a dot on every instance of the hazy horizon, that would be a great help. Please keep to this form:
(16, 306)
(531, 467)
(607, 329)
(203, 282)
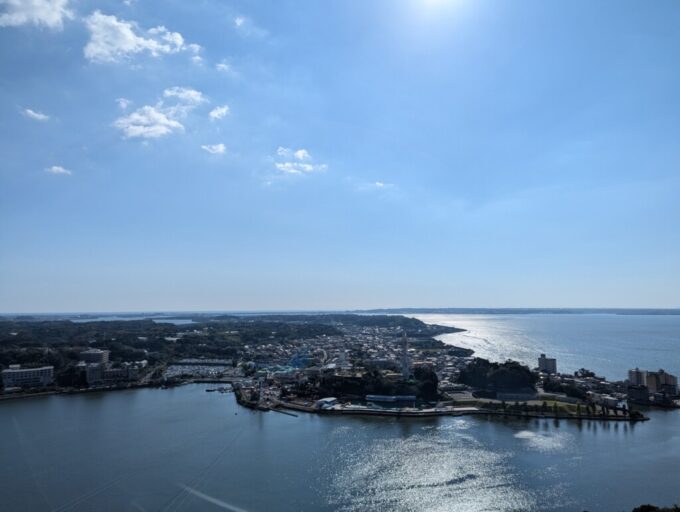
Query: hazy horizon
(406, 310)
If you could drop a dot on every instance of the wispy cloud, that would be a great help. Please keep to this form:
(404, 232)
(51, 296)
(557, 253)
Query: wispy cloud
(215, 149)
(112, 39)
(219, 112)
(247, 27)
(224, 66)
(34, 114)
(299, 161)
(374, 186)
(58, 169)
(45, 13)
(196, 50)
(382, 184)
(123, 103)
(185, 94)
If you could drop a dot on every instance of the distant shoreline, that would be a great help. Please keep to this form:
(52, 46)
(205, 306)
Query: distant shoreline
(160, 315)
(524, 311)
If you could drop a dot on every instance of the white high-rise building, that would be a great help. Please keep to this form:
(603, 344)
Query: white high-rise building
(405, 361)
(547, 364)
(18, 377)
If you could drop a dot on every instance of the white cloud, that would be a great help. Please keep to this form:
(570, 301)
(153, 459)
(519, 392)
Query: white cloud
(196, 50)
(284, 152)
(375, 186)
(223, 66)
(123, 103)
(302, 154)
(47, 13)
(382, 184)
(219, 112)
(215, 149)
(34, 114)
(296, 162)
(246, 27)
(112, 40)
(152, 122)
(298, 154)
(299, 168)
(148, 123)
(58, 169)
(185, 94)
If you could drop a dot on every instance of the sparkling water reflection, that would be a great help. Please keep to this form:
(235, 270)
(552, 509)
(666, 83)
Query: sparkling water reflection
(607, 343)
(184, 449)
(432, 469)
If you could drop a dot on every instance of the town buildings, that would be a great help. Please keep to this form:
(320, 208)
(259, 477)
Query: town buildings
(17, 377)
(656, 382)
(98, 371)
(105, 374)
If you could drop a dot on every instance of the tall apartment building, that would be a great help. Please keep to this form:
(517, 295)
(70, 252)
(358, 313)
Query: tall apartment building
(666, 383)
(547, 364)
(637, 377)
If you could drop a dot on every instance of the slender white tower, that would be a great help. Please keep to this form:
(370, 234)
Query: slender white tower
(405, 362)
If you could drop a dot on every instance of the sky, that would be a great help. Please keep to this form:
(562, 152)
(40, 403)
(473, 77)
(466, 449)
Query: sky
(289, 155)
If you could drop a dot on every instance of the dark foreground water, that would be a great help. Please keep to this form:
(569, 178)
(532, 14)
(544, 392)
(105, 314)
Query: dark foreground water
(185, 449)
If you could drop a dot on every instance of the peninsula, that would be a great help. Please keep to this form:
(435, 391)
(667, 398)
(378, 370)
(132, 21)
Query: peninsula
(319, 363)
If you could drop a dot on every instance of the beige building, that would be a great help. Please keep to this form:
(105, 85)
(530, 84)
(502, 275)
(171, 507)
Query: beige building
(656, 382)
(95, 355)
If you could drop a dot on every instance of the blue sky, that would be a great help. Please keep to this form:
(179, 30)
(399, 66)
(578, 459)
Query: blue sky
(173, 155)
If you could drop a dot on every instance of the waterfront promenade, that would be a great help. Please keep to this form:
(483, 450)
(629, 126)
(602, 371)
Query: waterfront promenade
(409, 412)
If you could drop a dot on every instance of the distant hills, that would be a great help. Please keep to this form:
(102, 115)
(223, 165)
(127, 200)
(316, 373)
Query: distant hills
(200, 316)
(521, 311)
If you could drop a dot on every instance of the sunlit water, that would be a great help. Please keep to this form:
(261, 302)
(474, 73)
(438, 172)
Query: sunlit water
(184, 449)
(609, 344)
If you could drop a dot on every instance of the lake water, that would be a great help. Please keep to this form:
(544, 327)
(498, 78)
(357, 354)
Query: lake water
(609, 344)
(113, 318)
(184, 449)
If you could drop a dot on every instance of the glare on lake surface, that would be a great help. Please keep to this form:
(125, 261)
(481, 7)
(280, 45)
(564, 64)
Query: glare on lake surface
(184, 450)
(609, 344)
